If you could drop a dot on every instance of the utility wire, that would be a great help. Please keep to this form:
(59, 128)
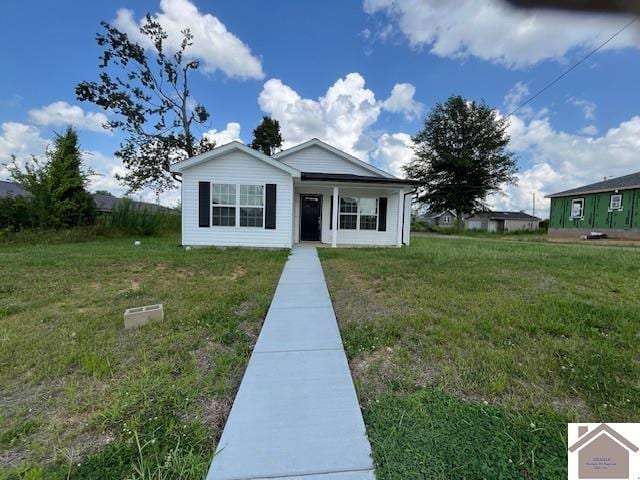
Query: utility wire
(574, 66)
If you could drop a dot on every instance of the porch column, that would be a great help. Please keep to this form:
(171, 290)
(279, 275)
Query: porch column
(400, 217)
(334, 218)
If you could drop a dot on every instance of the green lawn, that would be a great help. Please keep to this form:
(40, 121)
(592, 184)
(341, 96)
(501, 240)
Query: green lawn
(82, 398)
(470, 356)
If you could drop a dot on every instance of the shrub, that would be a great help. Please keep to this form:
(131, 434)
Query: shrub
(57, 195)
(128, 218)
(16, 213)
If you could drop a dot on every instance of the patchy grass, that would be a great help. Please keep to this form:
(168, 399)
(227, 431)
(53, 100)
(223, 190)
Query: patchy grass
(446, 334)
(81, 397)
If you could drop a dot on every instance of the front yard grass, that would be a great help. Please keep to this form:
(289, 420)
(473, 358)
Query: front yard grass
(471, 356)
(80, 397)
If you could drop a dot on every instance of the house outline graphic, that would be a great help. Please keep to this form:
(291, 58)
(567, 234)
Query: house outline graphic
(602, 453)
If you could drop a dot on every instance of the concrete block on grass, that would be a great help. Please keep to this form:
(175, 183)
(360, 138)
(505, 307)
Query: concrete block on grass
(136, 317)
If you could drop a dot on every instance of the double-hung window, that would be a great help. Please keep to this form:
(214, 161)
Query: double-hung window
(237, 205)
(348, 213)
(577, 208)
(615, 202)
(446, 219)
(368, 214)
(251, 205)
(358, 213)
(223, 205)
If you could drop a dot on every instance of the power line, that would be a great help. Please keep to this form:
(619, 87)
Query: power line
(574, 66)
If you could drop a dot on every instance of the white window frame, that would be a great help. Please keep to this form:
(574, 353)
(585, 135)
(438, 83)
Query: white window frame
(358, 214)
(213, 206)
(611, 197)
(446, 219)
(581, 202)
(262, 207)
(237, 204)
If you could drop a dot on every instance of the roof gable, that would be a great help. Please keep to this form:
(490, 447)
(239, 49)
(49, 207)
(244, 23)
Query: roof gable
(625, 182)
(180, 167)
(350, 159)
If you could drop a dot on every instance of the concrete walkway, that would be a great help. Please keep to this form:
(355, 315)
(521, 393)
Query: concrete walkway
(296, 414)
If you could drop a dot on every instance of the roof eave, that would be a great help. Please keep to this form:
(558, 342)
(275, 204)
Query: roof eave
(569, 193)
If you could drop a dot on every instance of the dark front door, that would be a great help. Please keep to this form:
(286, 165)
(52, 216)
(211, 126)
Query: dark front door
(310, 211)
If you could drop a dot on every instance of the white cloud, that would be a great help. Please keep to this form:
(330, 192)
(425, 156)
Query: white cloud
(20, 140)
(514, 97)
(589, 130)
(587, 106)
(213, 44)
(342, 117)
(402, 101)
(229, 134)
(62, 113)
(497, 32)
(393, 152)
(561, 160)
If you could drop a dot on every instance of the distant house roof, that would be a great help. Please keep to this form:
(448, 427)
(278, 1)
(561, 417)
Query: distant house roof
(506, 216)
(106, 203)
(625, 182)
(103, 202)
(11, 189)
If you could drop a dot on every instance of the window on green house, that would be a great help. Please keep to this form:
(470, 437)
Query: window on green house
(615, 202)
(577, 208)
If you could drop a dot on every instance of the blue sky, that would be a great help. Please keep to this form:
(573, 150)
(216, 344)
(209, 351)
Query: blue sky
(360, 75)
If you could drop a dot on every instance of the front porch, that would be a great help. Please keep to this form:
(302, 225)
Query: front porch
(375, 213)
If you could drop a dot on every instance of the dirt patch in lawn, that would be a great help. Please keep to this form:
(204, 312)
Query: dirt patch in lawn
(214, 414)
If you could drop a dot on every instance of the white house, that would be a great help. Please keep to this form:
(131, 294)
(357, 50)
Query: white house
(236, 196)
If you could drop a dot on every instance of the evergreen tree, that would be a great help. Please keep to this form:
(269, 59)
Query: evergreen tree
(267, 137)
(58, 187)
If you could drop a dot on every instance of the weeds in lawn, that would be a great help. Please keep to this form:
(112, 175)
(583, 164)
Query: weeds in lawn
(542, 333)
(76, 385)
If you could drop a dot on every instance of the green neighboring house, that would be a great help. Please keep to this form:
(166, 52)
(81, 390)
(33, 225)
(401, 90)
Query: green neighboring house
(611, 206)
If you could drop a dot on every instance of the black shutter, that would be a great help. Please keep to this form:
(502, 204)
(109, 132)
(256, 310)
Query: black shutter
(382, 214)
(204, 204)
(270, 206)
(331, 215)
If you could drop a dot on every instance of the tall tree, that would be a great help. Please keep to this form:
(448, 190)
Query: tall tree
(267, 137)
(148, 92)
(58, 194)
(461, 156)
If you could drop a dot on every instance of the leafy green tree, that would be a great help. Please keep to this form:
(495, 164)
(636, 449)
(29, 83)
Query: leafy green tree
(267, 137)
(57, 187)
(148, 92)
(461, 156)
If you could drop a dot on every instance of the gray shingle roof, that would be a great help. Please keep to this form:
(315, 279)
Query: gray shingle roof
(10, 189)
(619, 183)
(104, 203)
(505, 215)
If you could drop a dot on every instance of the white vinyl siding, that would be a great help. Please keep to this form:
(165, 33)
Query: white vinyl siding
(353, 237)
(319, 160)
(237, 168)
